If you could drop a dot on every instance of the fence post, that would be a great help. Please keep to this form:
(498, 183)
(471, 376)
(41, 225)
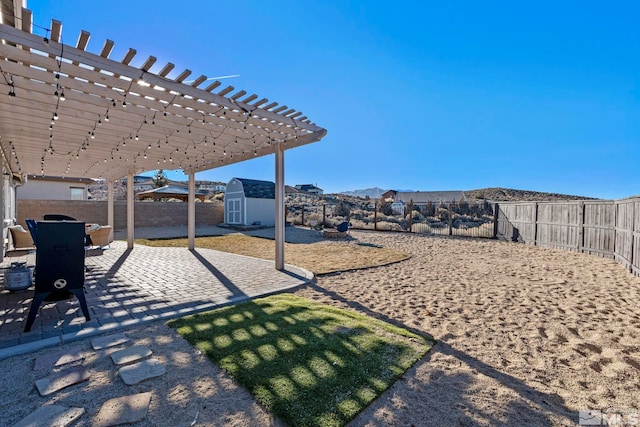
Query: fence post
(410, 215)
(375, 217)
(324, 214)
(450, 221)
(632, 232)
(581, 225)
(535, 224)
(495, 220)
(615, 229)
(302, 215)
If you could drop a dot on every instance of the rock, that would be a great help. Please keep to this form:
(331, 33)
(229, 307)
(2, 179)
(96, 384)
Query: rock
(123, 410)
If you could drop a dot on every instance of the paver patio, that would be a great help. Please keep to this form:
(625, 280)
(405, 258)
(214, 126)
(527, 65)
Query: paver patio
(127, 287)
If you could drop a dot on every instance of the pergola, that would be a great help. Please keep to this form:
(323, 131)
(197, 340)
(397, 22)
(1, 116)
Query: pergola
(65, 111)
(170, 192)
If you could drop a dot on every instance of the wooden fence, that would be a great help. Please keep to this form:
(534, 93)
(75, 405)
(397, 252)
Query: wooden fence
(609, 228)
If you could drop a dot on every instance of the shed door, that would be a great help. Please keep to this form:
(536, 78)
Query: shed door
(233, 211)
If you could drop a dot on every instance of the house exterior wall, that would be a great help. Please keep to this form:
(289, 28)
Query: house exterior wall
(260, 210)
(50, 190)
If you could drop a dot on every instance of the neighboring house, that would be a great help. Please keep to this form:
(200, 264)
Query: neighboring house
(310, 188)
(420, 198)
(54, 188)
(209, 186)
(170, 192)
(295, 191)
(140, 183)
(390, 194)
(250, 202)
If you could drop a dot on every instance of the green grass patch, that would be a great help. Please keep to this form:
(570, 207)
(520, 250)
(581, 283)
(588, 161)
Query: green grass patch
(310, 364)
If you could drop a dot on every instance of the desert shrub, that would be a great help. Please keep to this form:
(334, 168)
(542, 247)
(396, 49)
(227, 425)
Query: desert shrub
(359, 214)
(416, 216)
(389, 226)
(429, 209)
(385, 207)
(317, 217)
(342, 209)
(361, 224)
(442, 213)
(294, 218)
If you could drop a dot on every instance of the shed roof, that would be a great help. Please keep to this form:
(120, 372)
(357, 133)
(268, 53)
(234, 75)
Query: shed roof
(65, 111)
(256, 189)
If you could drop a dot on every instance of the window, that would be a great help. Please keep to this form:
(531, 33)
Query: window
(77, 193)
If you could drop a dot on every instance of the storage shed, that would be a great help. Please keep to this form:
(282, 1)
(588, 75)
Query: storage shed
(250, 202)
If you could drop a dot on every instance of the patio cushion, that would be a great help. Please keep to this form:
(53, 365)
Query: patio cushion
(21, 238)
(100, 236)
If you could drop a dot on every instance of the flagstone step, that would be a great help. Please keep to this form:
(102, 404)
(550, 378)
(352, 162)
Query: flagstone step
(46, 362)
(123, 410)
(130, 354)
(109, 341)
(58, 381)
(133, 374)
(51, 416)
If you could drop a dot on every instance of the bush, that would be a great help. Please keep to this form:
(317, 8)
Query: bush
(342, 209)
(385, 208)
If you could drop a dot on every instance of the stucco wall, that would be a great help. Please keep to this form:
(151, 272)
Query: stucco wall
(50, 190)
(147, 214)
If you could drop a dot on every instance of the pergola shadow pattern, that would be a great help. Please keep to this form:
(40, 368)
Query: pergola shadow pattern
(126, 287)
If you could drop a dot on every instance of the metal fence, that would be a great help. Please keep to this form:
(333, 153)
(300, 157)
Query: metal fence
(452, 219)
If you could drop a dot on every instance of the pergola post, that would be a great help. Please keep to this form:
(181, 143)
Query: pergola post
(279, 207)
(110, 215)
(191, 212)
(130, 216)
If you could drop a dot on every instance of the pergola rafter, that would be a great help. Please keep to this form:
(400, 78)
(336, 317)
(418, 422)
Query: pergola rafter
(65, 111)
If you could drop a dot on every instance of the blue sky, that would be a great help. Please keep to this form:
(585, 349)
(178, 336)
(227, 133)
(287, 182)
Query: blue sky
(419, 95)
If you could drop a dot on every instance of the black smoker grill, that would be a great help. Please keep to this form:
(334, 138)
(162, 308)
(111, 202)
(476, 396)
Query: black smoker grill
(59, 265)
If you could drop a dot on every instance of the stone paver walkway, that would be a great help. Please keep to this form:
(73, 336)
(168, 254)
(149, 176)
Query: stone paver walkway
(128, 287)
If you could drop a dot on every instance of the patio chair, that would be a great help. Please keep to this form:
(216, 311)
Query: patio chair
(341, 230)
(100, 236)
(32, 225)
(343, 227)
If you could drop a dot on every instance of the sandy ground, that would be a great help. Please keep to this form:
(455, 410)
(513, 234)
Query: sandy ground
(526, 337)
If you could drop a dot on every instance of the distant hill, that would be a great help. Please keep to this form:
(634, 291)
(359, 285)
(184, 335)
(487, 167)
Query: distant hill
(497, 194)
(500, 194)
